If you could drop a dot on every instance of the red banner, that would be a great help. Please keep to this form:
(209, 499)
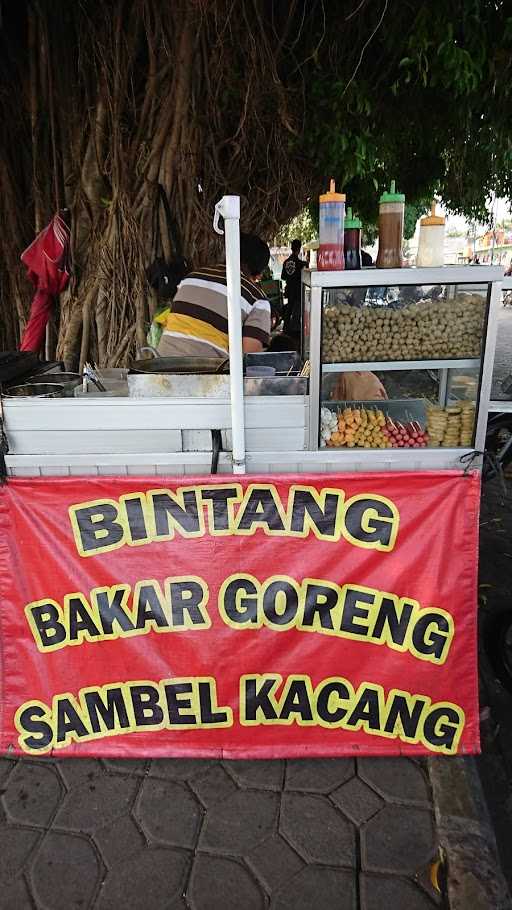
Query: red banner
(257, 617)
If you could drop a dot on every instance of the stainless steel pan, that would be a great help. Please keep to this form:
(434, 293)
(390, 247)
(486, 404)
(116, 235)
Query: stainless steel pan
(181, 365)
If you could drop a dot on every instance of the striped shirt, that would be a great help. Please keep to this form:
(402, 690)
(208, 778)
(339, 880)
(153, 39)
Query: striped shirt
(199, 311)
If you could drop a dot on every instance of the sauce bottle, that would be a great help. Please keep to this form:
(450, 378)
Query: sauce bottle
(352, 241)
(431, 242)
(332, 217)
(391, 229)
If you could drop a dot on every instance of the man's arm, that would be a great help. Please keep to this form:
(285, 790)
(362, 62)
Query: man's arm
(256, 328)
(251, 346)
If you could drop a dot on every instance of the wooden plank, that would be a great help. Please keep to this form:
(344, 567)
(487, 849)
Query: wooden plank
(115, 413)
(97, 442)
(66, 415)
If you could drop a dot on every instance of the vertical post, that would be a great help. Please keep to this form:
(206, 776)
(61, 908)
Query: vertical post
(443, 388)
(229, 208)
(315, 358)
(488, 364)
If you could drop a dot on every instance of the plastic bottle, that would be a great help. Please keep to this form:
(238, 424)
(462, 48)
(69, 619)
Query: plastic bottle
(352, 241)
(391, 229)
(431, 242)
(332, 217)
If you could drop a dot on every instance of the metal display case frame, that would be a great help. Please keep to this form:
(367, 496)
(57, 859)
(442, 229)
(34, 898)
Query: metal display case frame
(502, 405)
(456, 277)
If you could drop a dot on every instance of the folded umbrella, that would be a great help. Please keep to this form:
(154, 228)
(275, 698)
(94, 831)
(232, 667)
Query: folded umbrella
(47, 262)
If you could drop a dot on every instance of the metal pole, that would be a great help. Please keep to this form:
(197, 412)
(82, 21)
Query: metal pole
(229, 208)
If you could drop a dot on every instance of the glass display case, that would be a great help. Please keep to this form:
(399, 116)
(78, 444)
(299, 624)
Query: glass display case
(398, 357)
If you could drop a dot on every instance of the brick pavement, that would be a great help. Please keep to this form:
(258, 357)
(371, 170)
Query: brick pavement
(172, 834)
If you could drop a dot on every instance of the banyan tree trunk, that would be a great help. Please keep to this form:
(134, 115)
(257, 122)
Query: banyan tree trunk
(117, 98)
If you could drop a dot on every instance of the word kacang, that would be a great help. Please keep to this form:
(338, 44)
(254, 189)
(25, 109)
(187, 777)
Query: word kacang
(279, 603)
(366, 520)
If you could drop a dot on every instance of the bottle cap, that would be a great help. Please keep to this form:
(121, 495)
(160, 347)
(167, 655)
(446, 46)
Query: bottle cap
(392, 196)
(332, 195)
(352, 222)
(432, 218)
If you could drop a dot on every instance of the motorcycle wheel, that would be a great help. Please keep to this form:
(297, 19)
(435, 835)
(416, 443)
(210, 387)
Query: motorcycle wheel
(498, 640)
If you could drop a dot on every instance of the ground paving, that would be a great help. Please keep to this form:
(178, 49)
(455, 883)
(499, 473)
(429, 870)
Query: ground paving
(173, 834)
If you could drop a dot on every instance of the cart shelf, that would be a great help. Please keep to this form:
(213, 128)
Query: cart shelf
(472, 363)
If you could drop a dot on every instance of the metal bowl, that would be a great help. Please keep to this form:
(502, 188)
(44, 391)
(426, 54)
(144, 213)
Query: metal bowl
(35, 390)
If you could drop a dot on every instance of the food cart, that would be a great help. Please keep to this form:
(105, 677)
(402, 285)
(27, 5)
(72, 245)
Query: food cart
(363, 541)
(406, 325)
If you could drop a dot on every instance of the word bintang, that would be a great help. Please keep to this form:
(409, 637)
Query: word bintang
(366, 520)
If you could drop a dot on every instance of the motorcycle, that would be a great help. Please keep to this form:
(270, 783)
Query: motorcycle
(498, 440)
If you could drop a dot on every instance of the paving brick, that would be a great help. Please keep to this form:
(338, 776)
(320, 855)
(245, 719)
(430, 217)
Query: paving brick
(97, 801)
(238, 824)
(15, 896)
(398, 839)
(77, 771)
(218, 883)
(214, 786)
(168, 812)
(178, 768)
(129, 766)
(65, 872)
(377, 891)
(321, 889)
(16, 845)
(33, 793)
(317, 830)
(257, 775)
(274, 862)
(357, 800)
(6, 766)
(398, 779)
(319, 775)
(119, 840)
(151, 883)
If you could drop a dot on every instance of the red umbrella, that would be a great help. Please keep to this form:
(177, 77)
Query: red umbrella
(47, 263)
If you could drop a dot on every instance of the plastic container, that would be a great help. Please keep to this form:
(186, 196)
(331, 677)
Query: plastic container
(332, 218)
(391, 229)
(352, 241)
(431, 242)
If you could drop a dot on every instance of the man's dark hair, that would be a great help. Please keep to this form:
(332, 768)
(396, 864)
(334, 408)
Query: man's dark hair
(296, 245)
(254, 253)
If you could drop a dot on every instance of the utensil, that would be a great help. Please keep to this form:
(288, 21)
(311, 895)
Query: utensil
(90, 373)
